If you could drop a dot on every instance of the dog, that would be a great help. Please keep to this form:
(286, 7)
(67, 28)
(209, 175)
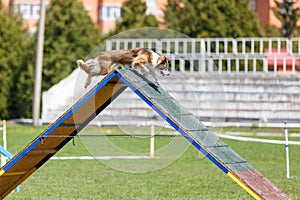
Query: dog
(145, 61)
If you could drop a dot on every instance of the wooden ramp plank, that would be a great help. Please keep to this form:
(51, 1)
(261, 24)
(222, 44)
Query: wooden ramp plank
(261, 184)
(68, 125)
(204, 140)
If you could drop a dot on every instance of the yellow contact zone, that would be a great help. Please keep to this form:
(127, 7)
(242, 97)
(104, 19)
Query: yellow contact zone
(245, 187)
(1, 172)
(15, 173)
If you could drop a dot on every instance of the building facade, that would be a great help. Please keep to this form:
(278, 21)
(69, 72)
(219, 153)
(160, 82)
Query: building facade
(105, 13)
(263, 8)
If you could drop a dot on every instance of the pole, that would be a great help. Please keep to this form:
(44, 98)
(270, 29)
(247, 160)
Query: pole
(4, 135)
(287, 150)
(38, 66)
(152, 132)
(3, 158)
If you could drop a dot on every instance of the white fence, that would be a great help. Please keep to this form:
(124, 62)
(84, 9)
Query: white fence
(222, 55)
(229, 80)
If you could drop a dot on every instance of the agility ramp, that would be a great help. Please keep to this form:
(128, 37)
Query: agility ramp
(98, 98)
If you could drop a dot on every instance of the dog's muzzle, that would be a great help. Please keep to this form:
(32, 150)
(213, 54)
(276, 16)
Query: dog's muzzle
(165, 72)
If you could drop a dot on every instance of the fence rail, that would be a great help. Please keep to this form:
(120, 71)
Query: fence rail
(222, 55)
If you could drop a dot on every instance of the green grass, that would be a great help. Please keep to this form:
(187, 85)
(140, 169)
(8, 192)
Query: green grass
(255, 129)
(191, 176)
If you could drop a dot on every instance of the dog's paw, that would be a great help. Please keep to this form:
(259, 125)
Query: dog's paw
(86, 84)
(80, 62)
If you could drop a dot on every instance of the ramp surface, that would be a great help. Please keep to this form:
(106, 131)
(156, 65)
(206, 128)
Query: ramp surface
(87, 108)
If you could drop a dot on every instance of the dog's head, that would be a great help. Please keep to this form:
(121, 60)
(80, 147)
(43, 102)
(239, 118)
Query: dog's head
(163, 65)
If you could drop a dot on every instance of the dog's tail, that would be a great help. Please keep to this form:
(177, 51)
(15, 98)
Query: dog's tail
(88, 65)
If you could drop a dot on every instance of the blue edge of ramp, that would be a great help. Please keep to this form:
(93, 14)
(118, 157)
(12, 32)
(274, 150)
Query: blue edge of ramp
(44, 146)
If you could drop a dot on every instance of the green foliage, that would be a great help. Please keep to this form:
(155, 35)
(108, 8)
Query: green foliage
(271, 31)
(288, 15)
(133, 15)
(12, 48)
(69, 35)
(211, 18)
(22, 90)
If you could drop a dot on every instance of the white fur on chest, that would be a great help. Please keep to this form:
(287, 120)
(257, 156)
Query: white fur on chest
(155, 57)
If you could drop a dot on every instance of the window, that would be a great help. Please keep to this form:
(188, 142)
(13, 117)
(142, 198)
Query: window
(152, 8)
(27, 10)
(150, 2)
(253, 5)
(110, 12)
(36, 11)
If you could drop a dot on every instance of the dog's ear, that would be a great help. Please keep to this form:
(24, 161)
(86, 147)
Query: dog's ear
(163, 60)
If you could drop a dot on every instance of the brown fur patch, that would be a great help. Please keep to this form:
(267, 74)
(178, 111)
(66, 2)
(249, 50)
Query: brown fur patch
(147, 54)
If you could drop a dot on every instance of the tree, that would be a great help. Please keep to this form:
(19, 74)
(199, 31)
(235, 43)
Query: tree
(271, 31)
(240, 20)
(178, 15)
(69, 35)
(133, 15)
(22, 90)
(288, 15)
(13, 40)
(211, 18)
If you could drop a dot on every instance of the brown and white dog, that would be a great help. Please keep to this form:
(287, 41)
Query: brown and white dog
(143, 60)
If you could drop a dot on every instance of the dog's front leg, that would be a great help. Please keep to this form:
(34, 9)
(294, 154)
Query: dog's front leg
(150, 72)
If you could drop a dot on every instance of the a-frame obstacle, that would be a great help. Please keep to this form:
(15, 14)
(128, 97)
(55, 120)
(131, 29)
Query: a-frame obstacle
(98, 98)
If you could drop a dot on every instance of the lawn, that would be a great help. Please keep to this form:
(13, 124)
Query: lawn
(182, 175)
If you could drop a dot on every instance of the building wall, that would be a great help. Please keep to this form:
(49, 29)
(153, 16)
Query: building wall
(102, 12)
(109, 12)
(30, 10)
(91, 6)
(272, 18)
(261, 6)
(5, 3)
(265, 13)
(106, 12)
(161, 4)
